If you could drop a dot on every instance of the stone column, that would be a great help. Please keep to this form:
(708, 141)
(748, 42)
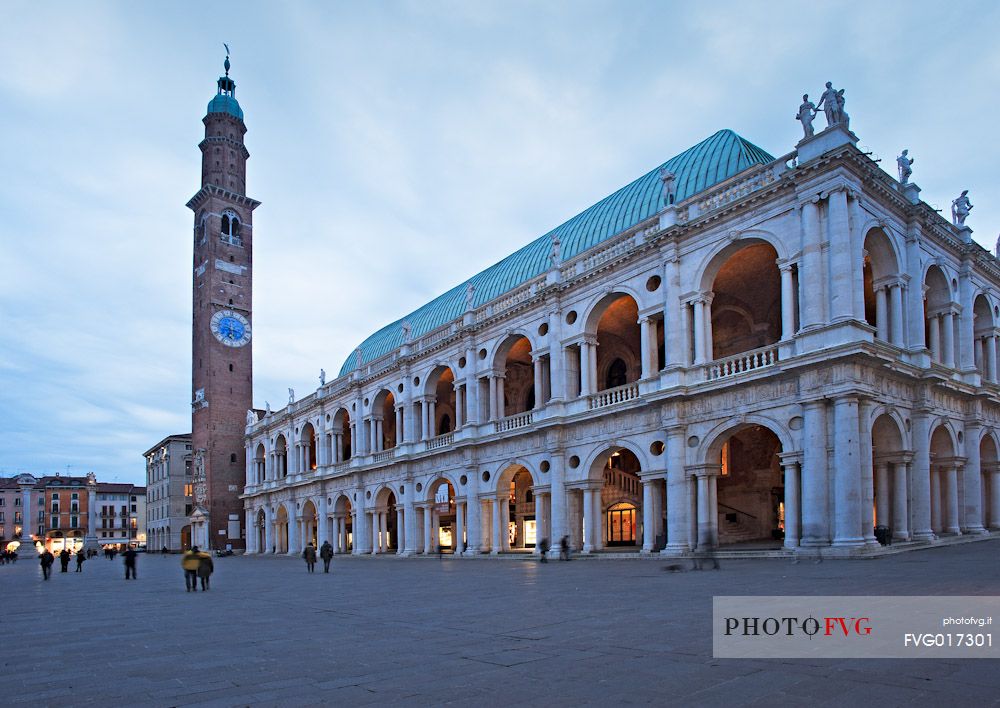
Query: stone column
(814, 482)
(951, 499)
(536, 361)
(323, 530)
(345, 544)
(882, 498)
(428, 527)
(475, 528)
(557, 498)
(971, 518)
(787, 302)
(459, 544)
(269, 544)
(597, 528)
(841, 267)
(846, 483)
(586, 364)
(251, 544)
(678, 495)
(935, 477)
(709, 345)
(493, 397)
(991, 358)
(900, 506)
(504, 523)
(91, 540)
(792, 508)
(920, 481)
(648, 525)
(811, 274)
(425, 427)
(934, 334)
(645, 348)
(949, 339)
(867, 473)
(459, 405)
(496, 545)
(399, 424)
(588, 521)
(699, 332)
(375, 528)
(995, 498)
(293, 534)
(705, 512)
(896, 314)
(881, 312)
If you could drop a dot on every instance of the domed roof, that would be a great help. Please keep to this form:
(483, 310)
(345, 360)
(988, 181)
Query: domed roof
(225, 104)
(708, 163)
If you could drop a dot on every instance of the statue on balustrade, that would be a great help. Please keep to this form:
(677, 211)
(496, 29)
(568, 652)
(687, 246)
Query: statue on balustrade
(960, 208)
(807, 111)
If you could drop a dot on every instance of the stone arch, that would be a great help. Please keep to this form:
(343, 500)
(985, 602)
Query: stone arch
(515, 490)
(609, 500)
(308, 441)
(259, 464)
(384, 419)
(310, 523)
(280, 456)
(945, 450)
(515, 391)
(882, 285)
(711, 445)
(984, 339)
(747, 280)
(612, 326)
(439, 388)
(260, 529)
(282, 520)
(341, 433)
(708, 269)
(989, 479)
(940, 322)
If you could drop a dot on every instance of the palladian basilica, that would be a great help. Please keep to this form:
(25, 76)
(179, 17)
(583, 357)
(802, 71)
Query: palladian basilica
(736, 351)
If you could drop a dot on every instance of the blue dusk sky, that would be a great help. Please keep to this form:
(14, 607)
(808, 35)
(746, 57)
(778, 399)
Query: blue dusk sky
(397, 148)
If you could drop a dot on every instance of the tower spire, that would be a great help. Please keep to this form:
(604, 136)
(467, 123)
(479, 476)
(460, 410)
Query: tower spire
(226, 63)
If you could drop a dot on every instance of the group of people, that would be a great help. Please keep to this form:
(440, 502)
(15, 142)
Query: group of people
(198, 566)
(564, 551)
(7, 557)
(325, 554)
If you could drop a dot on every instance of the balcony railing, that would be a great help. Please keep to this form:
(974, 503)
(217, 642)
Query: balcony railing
(384, 455)
(742, 363)
(512, 422)
(439, 441)
(614, 396)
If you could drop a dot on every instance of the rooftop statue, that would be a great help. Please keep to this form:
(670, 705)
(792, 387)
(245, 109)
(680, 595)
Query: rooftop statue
(807, 111)
(960, 208)
(832, 105)
(904, 162)
(358, 358)
(322, 377)
(669, 180)
(470, 290)
(844, 118)
(407, 329)
(251, 417)
(555, 255)
(291, 395)
(267, 408)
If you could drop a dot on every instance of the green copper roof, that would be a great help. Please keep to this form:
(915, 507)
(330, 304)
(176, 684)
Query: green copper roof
(711, 161)
(225, 104)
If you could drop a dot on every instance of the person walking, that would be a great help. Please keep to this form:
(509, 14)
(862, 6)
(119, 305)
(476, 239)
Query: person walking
(80, 558)
(129, 556)
(205, 568)
(564, 548)
(190, 562)
(46, 560)
(326, 553)
(310, 555)
(543, 547)
(64, 560)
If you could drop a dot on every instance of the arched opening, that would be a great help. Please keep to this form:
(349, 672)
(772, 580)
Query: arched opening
(745, 303)
(515, 392)
(439, 407)
(984, 340)
(518, 523)
(343, 526)
(940, 322)
(944, 482)
(384, 526)
(341, 434)
(750, 489)
(260, 529)
(618, 359)
(307, 454)
(989, 467)
(310, 524)
(280, 457)
(891, 499)
(281, 530)
(230, 232)
(439, 524)
(607, 509)
(259, 464)
(882, 288)
(186, 537)
(384, 420)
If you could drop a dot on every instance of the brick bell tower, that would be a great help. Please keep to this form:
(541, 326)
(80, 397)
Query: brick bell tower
(222, 316)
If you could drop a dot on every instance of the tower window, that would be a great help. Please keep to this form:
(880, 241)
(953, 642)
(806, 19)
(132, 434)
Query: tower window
(230, 232)
(232, 457)
(230, 366)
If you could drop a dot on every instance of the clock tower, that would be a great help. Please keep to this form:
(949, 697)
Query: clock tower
(222, 324)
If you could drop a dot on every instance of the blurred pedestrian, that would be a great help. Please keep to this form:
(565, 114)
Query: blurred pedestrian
(190, 562)
(543, 547)
(129, 556)
(205, 568)
(310, 555)
(326, 553)
(64, 560)
(46, 560)
(80, 558)
(564, 548)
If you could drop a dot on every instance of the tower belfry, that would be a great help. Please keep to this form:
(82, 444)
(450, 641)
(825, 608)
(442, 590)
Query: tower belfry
(222, 317)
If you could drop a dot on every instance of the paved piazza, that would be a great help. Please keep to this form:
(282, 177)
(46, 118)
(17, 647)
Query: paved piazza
(427, 631)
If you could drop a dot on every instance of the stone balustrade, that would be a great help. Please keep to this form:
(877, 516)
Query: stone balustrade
(742, 363)
(614, 396)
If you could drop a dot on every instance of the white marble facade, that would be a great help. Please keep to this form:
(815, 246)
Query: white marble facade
(790, 358)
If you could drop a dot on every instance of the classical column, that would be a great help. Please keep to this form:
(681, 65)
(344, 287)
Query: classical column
(792, 511)
(990, 345)
(867, 473)
(493, 397)
(475, 529)
(91, 540)
(459, 405)
(709, 345)
(345, 544)
(399, 424)
(881, 311)
(846, 482)
(459, 540)
(971, 513)
(251, 536)
(541, 519)
(920, 481)
(379, 440)
(935, 478)
(949, 339)
(934, 334)
(678, 495)
(375, 524)
(705, 512)
(995, 497)
(811, 275)
(588, 521)
(950, 505)
(597, 528)
(293, 534)
(648, 525)
(557, 498)
(882, 498)
(504, 523)
(536, 361)
(586, 354)
(699, 332)
(497, 543)
(896, 314)
(432, 417)
(269, 545)
(323, 529)
(900, 506)
(428, 528)
(787, 302)
(841, 266)
(814, 482)
(645, 353)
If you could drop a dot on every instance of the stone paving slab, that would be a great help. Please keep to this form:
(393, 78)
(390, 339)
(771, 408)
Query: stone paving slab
(454, 632)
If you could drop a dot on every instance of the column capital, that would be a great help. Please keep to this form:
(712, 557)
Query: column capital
(790, 458)
(704, 470)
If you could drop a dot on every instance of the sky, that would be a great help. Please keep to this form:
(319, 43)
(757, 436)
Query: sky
(397, 148)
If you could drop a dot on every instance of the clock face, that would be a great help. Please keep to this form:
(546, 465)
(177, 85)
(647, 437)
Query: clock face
(231, 328)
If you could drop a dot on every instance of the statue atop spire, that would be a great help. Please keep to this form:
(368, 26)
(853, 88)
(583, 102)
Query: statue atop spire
(226, 64)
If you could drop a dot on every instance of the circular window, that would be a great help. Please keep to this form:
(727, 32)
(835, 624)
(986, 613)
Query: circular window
(571, 317)
(693, 441)
(296, 431)
(653, 284)
(574, 462)
(482, 353)
(399, 388)
(656, 448)
(368, 495)
(545, 466)
(366, 401)
(486, 476)
(420, 487)
(960, 436)
(463, 480)
(416, 380)
(402, 490)
(543, 329)
(461, 362)
(327, 417)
